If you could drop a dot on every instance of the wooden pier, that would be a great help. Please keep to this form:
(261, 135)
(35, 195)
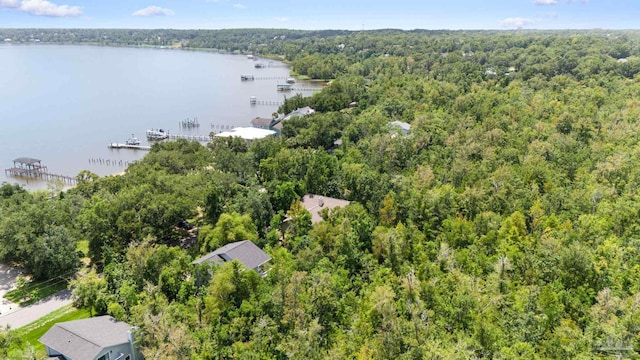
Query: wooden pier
(200, 138)
(189, 123)
(33, 168)
(128, 146)
(304, 89)
(111, 162)
(253, 77)
(254, 101)
(221, 127)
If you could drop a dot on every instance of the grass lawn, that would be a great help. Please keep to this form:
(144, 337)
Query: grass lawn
(36, 291)
(30, 333)
(83, 246)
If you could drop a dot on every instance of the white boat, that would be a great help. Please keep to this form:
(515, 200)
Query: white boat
(291, 80)
(157, 134)
(133, 140)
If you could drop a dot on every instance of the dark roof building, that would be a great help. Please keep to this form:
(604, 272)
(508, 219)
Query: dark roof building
(246, 252)
(269, 124)
(97, 338)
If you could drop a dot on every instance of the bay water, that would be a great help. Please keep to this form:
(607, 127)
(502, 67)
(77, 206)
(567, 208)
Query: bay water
(64, 104)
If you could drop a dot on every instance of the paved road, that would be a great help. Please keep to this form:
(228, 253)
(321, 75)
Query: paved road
(22, 316)
(8, 277)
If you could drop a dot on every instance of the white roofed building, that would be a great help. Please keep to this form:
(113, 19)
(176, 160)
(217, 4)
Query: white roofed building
(247, 133)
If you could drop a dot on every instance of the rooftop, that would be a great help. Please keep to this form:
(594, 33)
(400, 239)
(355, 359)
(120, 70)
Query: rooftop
(400, 124)
(84, 339)
(258, 121)
(315, 203)
(248, 253)
(265, 122)
(247, 133)
(26, 160)
(300, 112)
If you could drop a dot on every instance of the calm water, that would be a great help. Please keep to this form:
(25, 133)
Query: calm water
(65, 104)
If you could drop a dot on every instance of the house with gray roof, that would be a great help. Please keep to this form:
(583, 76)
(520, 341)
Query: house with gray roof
(246, 252)
(98, 338)
(300, 112)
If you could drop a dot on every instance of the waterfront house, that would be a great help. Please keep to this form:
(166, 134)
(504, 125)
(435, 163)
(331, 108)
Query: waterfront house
(247, 133)
(246, 252)
(300, 112)
(269, 124)
(98, 338)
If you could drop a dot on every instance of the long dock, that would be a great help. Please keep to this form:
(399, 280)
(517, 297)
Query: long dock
(127, 146)
(304, 89)
(200, 138)
(252, 77)
(254, 101)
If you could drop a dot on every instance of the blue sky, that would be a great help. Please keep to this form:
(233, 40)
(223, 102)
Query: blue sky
(327, 14)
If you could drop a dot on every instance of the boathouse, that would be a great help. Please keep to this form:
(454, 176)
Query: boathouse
(285, 87)
(33, 168)
(25, 166)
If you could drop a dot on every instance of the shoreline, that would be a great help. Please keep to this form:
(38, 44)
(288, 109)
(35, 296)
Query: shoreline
(77, 161)
(204, 50)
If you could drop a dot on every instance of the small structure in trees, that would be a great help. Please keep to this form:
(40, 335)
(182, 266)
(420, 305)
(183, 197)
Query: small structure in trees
(316, 203)
(403, 127)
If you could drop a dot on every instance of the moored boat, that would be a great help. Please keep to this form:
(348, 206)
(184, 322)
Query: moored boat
(133, 140)
(157, 134)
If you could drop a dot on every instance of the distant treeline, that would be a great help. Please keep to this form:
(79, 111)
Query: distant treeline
(327, 54)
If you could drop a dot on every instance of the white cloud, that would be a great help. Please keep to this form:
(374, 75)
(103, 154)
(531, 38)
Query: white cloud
(46, 8)
(153, 11)
(239, 6)
(516, 22)
(281, 19)
(545, 2)
(212, 1)
(9, 3)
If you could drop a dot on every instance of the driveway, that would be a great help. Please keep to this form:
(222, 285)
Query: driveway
(8, 275)
(22, 316)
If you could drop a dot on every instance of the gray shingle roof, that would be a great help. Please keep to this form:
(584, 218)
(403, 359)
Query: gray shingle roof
(250, 255)
(84, 339)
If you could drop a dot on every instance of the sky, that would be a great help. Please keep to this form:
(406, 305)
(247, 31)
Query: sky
(322, 14)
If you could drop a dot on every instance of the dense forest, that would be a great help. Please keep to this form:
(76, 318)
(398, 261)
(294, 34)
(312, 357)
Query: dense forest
(505, 224)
